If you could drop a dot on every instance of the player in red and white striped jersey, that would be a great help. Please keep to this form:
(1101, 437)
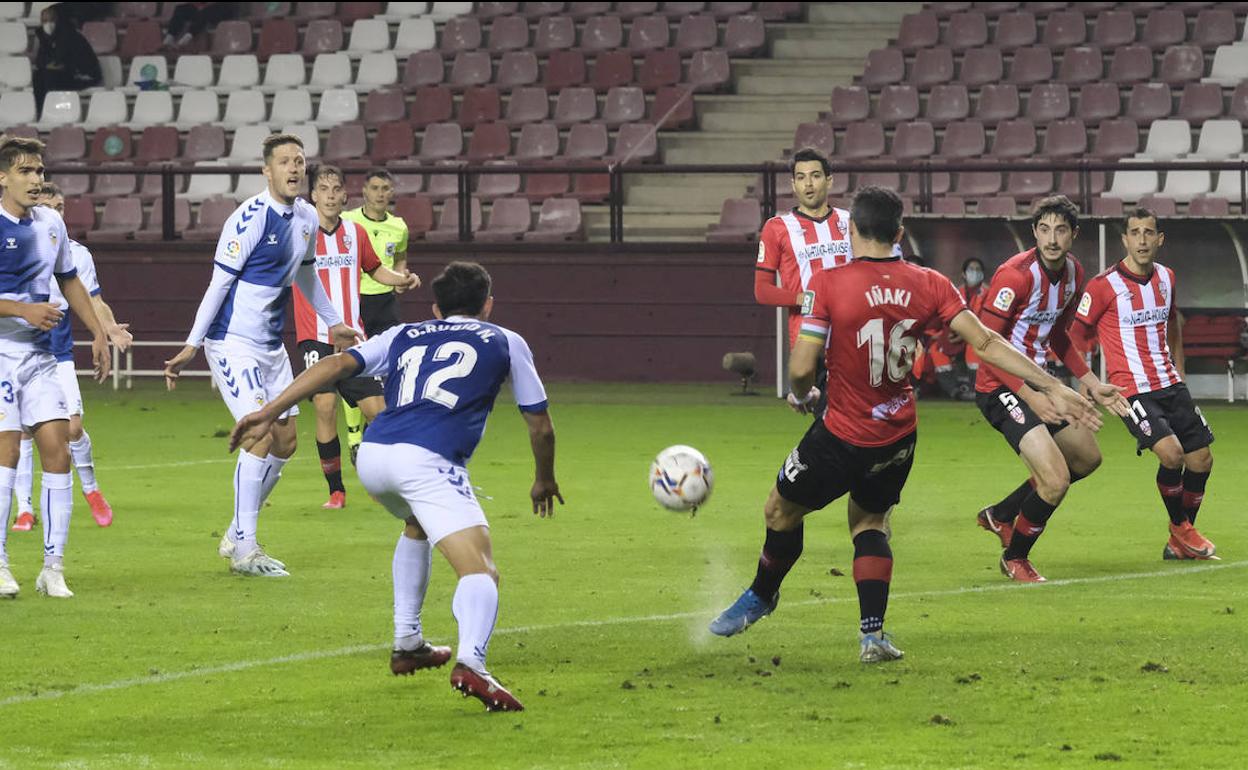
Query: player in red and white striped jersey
(1130, 307)
(1030, 302)
(343, 250)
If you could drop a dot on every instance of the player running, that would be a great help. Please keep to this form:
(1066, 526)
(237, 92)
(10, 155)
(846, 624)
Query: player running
(862, 321)
(266, 245)
(1130, 307)
(1030, 302)
(442, 377)
(343, 252)
(63, 348)
(35, 248)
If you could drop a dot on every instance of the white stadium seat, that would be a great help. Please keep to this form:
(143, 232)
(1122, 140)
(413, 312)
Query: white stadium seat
(338, 105)
(247, 144)
(240, 70)
(1230, 65)
(401, 11)
(1182, 186)
(106, 108)
(198, 107)
(60, 108)
(14, 73)
(15, 11)
(1132, 185)
(310, 136)
(34, 15)
(139, 70)
(416, 34)
(445, 11)
(377, 69)
(292, 105)
(13, 37)
(208, 185)
(284, 70)
(248, 185)
(193, 71)
(18, 107)
(1228, 185)
(1167, 140)
(331, 70)
(152, 108)
(369, 35)
(244, 107)
(110, 68)
(1220, 139)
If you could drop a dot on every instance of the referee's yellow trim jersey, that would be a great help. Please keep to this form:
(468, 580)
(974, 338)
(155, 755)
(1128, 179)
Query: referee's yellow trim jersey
(389, 238)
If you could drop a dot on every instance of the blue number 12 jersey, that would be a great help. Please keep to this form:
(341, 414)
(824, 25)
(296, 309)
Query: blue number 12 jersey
(441, 381)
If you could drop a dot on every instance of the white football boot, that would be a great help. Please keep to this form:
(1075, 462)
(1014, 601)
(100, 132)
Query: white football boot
(877, 648)
(51, 582)
(258, 564)
(8, 586)
(226, 548)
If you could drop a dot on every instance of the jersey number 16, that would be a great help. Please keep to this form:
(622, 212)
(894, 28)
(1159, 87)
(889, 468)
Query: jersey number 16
(898, 353)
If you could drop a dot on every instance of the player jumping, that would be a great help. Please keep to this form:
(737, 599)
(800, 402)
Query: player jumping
(442, 377)
(863, 321)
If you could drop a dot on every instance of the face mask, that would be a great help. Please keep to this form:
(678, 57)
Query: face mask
(974, 276)
(49, 28)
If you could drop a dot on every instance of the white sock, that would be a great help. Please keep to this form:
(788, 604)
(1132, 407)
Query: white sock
(248, 480)
(475, 605)
(25, 481)
(412, 562)
(56, 500)
(6, 489)
(273, 474)
(84, 463)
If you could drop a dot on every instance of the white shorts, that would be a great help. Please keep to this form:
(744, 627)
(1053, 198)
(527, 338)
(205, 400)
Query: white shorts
(248, 376)
(68, 378)
(409, 480)
(30, 391)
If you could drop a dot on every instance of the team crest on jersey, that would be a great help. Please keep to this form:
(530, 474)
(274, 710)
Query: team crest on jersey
(346, 240)
(233, 249)
(52, 237)
(1005, 299)
(1165, 291)
(259, 399)
(307, 234)
(1085, 304)
(1145, 428)
(762, 252)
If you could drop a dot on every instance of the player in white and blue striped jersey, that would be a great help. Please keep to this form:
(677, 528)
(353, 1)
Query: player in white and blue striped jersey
(266, 246)
(442, 377)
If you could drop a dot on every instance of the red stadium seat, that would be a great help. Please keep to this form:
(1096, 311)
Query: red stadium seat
(964, 139)
(322, 36)
(487, 11)
(745, 35)
(1032, 65)
(136, 10)
(102, 35)
(977, 184)
(636, 143)
(1068, 183)
(981, 66)
(516, 69)
(611, 69)
(1131, 64)
(1067, 138)
(509, 33)
(914, 140)
(918, 31)
(1048, 101)
(648, 33)
(353, 11)
(1015, 30)
(442, 141)
(433, 104)
(423, 68)
(1063, 29)
(898, 103)
(537, 142)
(997, 206)
(539, 187)
(277, 36)
(995, 9)
(445, 184)
(122, 217)
(480, 105)
(384, 105)
(997, 102)
(489, 141)
(1149, 102)
(471, 68)
(528, 105)
(80, 215)
(884, 66)
(157, 144)
(65, 143)
(114, 185)
(602, 33)
(310, 10)
(1164, 27)
(558, 220)
(730, 10)
(697, 33)
(555, 33)
(267, 10)
(577, 104)
(346, 146)
(678, 10)
(585, 11)
(945, 10)
(510, 219)
(1182, 64)
(1200, 102)
(817, 136)
(968, 29)
(153, 231)
(142, 38)
(230, 37)
(1161, 206)
(538, 10)
(1214, 27)
(947, 103)
(498, 185)
(635, 9)
(1081, 64)
(1014, 139)
(394, 141)
(1099, 101)
(932, 66)
(1117, 138)
(1114, 28)
(739, 220)
(708, 71)
(205, 143)
(461, 33)
(213, 213)
(673, 108)
(1107, 208)
(1238, 107)
(625, 104)
(949, 206)
(417, 213)
(566, 68)
(864, 139)
(1208, 206)
(591, 188)
(448, 221)
(586, 141)
(113, 143)
(1029, 184)
(849, 104)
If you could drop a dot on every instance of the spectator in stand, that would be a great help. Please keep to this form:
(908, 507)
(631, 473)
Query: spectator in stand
(64, 60)
(191, 19)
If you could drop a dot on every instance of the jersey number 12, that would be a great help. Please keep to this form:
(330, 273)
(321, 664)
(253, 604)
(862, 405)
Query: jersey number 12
(898, 353)
(463, 358)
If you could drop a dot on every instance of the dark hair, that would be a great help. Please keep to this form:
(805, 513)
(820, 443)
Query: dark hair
(324, 169)
(1059, 205)
(461, 289)
(14, 147)
(52, 190)
(273, 141)
(967, 263)
(876, 212)
(806, 155)
(1139, 212)
(379, 173)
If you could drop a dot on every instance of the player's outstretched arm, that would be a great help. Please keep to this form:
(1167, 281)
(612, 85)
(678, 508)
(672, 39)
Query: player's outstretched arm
(80, 302)
(542, 440)
(41, 315)
(327, 371)
(401, 280)
(118, 334)
(802, 364)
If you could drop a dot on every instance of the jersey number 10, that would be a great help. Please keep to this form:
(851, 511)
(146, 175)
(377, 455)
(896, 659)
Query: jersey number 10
(465, 358)
(898, 353)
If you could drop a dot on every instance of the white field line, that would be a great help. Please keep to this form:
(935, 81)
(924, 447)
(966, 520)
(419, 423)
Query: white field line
(177, 464)
(303, 657)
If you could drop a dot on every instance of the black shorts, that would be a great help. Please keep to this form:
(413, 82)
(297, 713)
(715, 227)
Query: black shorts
(1011, 416)
(353, 390)
(823, 468)
(379, 312)
(1167, 412)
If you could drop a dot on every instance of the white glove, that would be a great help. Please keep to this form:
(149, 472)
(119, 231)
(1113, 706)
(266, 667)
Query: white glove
(804, 405)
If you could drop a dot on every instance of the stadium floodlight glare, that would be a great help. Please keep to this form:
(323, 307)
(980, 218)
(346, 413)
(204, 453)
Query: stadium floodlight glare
(744, 366)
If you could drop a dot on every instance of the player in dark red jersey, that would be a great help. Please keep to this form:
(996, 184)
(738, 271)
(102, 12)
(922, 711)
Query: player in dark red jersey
(1130, 307)
(862, 322)
(1030, 302)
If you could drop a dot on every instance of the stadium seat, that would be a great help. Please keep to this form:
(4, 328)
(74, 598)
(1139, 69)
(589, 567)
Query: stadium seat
(1220, 140)
(914, 140)
(510, 219)
(1200, 102)
(1182, 186)
(1161, 205)
(309, 135)
(284, 70)
(499, 185)
(964, 139)
(529, 104)
(394, 141)
(347, 145)
(80, 214)
(489, 141)
(636, 143)
(564, 69)
(816, 136)
(585, 11)
(696, 33)
(147, 69)
(918, 31)
(889, 179)
(193, 71)
(153, 230)
(355, 11)
(423, 68)
(432, 104)
(248, 185)
(152, 108)
(247, 144)
(1029, 184)
(1063, 29)
(659, 68)
(709, 71)
(884, 67)
(1182, 64)
(445, 185)
(110, 71)
(1014, 139)
(863, 140)
(65, 143)
(631, 10)
(384, 105)
(1209, 206)
(462, 33)
(729, 10)
(1132, 185)
(591, 188)
(1032, 65)
(516, 69)
(213, 213)
(305, 11)
(1167, 140)
(142, 38)
(204, 142)
(1099, 101)
(417, 213)
(898, 103)
(196, 107)
(448, 221)
(509, 33)
(293, 105)
(559, 219)
(106, 108)
(932, 66)
(322, 36)
(1131, 64)
(602, 33)
(997, 102)
(242, 108)
(739, 220)
(112, 185)
(1116, 138)
(976, 184)
(1238, 107)
(624, 104)
(1068, 183)
(981, 66)
(1048, 102)
(1002, 206)
(1230, 65)
(678, 10)
(480, 105)
(331, 70)
(586, 141)
(578, 104)
(611, 69)
(537, 142)
(15, 73)
(369, 35)
(59, 108)
(446, 11)
(949, 206)
(277, 36)
(849, 104)
(1081, 64)
(648, 33)
(209, 185)
(442, 141)
(673, 108)
(1164, 27)
(102, 35)
(239, 71)
(415, 34)
(13, 38)
(1114, 28)
(377, 69)
(948, 102)
(337, 106)
(539, 187)
(968, 29)
(231, 36)
(1148, 102)
(745, 35)
(471, 68)
(1015, 30)
(554, 33)
(157, 144)
(1214, 27)
(1066, 138)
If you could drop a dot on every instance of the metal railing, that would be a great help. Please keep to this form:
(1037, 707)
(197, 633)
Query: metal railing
(128, 372)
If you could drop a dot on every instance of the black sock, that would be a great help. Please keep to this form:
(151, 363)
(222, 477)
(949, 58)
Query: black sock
(1032, 516)
(1193, 493)
(1170, 485)
(780, 552)
(873, 569)
(1007, 509)
(331, 463)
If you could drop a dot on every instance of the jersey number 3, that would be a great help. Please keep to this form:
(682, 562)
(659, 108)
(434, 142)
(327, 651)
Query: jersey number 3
(462, 358)
(898, 352)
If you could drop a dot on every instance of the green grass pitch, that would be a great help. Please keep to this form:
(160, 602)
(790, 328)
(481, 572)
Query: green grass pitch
(163, 659)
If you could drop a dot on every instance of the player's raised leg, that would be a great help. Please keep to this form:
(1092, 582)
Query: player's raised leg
(24, 486)
(56, 502)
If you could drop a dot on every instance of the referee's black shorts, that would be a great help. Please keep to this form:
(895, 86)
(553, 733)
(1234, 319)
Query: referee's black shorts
(379, 312)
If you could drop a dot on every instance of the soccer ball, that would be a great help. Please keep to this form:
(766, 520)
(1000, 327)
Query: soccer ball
(681, 478)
